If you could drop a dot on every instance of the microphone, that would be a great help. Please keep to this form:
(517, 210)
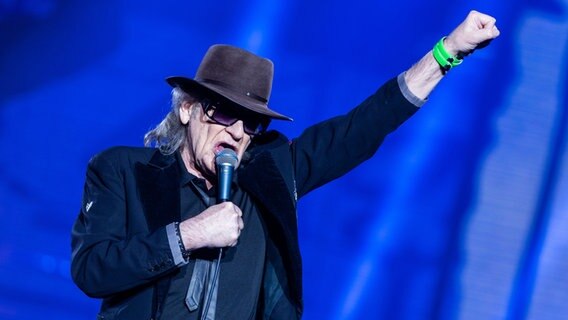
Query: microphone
(226, 161)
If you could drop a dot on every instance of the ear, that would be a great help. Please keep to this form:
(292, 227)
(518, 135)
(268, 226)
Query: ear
(184, 111)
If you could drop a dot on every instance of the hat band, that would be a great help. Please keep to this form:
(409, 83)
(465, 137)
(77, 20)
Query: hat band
(232, 88)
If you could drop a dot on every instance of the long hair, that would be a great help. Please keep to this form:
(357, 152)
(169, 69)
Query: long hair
(170, 134)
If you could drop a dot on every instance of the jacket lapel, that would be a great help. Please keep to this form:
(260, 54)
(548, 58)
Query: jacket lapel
(158, 183)
(268, 177)
(263, 179)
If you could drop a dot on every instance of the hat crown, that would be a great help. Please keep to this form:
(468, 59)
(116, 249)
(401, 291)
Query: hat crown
(235, 74)
(237, 70)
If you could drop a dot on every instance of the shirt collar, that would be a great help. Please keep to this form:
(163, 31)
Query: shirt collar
(187, 177)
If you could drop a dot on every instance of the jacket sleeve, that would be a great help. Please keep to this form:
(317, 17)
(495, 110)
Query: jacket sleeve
(330, 149)
(105, 260)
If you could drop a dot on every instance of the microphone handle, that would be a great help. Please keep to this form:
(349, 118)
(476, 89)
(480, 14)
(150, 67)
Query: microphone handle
(225, 176)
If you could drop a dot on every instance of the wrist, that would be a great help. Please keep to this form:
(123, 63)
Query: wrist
(184, 251)
(189, 235)
(446, 59)
(450, 46)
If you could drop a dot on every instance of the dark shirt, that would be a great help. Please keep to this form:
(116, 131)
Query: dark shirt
(242, 266)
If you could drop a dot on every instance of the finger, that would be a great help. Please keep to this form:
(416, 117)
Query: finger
(495, 31)
(241, 224)
(490, 33)
(483, 20)
(225, 204)
(489, 24)
(238, 211)
(487, 28)
(487, 21)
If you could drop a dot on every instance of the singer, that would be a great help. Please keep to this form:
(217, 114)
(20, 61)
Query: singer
(201, 223)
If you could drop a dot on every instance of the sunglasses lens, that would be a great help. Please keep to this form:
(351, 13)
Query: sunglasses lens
(251, 128)
(256, 126)
(223, 117)
(226, 115)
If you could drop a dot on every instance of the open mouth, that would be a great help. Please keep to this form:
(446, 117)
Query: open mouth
(221, 146)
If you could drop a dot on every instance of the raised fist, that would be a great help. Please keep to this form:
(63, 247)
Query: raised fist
(476, 31)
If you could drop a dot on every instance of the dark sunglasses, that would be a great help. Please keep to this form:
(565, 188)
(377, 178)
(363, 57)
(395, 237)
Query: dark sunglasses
(225, 114)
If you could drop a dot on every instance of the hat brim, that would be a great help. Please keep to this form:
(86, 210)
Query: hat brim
(191, 85)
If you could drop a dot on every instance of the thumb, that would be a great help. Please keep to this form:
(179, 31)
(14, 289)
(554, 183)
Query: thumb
(490, 28)
(495, 32)
(487, 24)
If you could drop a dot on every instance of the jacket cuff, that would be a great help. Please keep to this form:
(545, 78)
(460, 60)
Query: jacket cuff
(407, 93)
(181, 257)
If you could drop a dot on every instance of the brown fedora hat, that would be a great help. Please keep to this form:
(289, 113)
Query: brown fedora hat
(236, 74)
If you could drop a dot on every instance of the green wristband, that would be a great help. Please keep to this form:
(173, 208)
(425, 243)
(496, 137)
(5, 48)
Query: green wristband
(444, 59)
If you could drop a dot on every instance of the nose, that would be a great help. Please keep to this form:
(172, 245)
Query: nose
(236, 130)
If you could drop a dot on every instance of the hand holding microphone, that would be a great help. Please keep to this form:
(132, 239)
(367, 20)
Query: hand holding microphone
(226, 161)
(219, 225)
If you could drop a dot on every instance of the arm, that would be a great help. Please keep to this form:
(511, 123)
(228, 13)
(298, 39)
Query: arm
(106, 259)
(330, 149)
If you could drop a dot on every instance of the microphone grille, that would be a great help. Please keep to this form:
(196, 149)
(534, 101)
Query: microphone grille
(226, 157)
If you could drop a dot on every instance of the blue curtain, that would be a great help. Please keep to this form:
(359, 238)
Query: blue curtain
(460, 215)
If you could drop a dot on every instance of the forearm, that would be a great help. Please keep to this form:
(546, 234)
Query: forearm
(424, 76)
(102, 266)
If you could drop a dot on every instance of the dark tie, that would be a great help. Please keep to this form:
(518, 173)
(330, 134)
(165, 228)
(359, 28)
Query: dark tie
(202, 280)
(201, 286)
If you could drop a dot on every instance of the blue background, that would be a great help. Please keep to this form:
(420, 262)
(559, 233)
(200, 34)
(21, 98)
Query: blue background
(462, 214)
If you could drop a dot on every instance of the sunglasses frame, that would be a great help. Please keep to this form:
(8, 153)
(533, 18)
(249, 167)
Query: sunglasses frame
(229, 111)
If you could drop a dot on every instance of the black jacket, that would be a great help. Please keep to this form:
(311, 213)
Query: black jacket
(120, 248)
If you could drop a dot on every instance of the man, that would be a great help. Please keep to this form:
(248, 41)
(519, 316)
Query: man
(152, 242)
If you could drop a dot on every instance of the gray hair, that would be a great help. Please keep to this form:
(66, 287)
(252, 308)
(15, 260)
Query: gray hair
(170, 134)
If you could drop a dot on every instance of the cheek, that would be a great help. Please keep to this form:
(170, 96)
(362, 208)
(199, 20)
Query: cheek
(199, 137)
(196, 142)
(205, 145)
